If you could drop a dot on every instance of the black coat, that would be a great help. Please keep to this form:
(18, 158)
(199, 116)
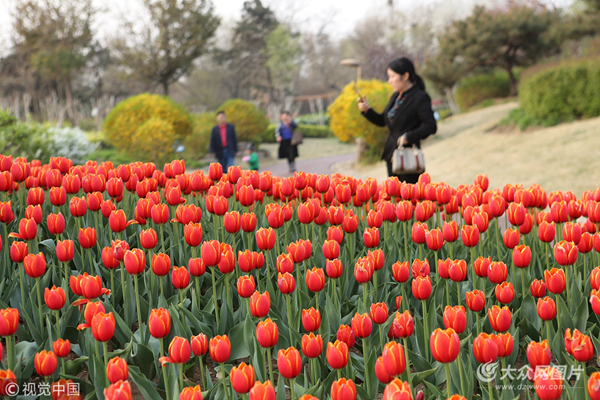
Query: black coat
(414, 117)
(216, 146)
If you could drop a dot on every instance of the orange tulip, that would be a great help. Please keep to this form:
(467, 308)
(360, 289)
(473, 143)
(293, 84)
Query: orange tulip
(343, 389)
(117, 370)
(445, 345)
(337, 354)
(159, 323)
(242, 378)
(220, 348)
(289, 363)
(45, 363)
(103, 326)
(118, 391)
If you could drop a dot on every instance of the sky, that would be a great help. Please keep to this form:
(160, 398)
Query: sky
(338, 16)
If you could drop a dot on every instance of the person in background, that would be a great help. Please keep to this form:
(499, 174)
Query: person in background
(223, 141)
(251, 157)
(283, 134)
(408, 115)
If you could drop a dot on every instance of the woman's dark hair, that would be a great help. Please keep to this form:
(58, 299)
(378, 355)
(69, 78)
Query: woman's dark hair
(403, 65)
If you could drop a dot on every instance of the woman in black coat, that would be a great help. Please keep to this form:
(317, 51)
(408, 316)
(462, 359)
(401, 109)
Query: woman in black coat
(408, 115)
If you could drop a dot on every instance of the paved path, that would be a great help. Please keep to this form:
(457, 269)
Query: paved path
(315, 166)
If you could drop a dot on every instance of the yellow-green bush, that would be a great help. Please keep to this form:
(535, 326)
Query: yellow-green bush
(346, 121)
(123, 122)
(250, 122)
(197, 144)
(154, 139)
(564, 91)
(309, 131)
(474, 89)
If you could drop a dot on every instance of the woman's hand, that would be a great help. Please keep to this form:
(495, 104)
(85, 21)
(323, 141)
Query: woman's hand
(363, 104)
(278, 138)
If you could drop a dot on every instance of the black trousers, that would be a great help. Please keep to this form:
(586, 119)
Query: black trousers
(408, 178)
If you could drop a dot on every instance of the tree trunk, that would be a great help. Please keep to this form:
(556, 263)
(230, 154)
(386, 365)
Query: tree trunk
(165, 85)
(511, 79)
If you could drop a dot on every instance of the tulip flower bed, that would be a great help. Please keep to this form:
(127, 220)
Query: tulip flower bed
(128, 281)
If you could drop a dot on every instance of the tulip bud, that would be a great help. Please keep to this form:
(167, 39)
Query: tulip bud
(220, 348)
(267, 333)
(311, 319)
(61, 347)
(242, 378)
(118, 391)
(337, 354)
(394, 361)
(117, 370)
(485, 348)
(45, 363)
(103, 326)
(500, 318)
(159, 323)
(55, 298)
(199, 344)
(312, 346)
(289, 363)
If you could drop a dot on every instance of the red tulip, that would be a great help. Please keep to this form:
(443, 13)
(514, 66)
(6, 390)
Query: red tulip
(311, 319)
(394, 361)
(593, 386)
(434, 239)
(246, 286)
(548, 383)
(45, 363)
(199, 344)
(403, 325)
(262, 391)
(179, 352)
(579, 346)
(103, 326)
(312, 346)
(180, 277)
(191, 393)
(35, 265)
(565, 253)
(505, 292)
(159, 323)
(421, 287)
(505, 344)
(343, 389)
(455, 318)
(555, 280)
(55, 298)
(381, 373)
(538, 288)
(87, 237)
(117, 370)
(337, 354)
(469, 235)
(500, 318)
(65, 250)
(242, 378)
(118, 391)
(192, 234)
(445, 345)
(475, 300)
(362, 326)
(267, 333)
(546, 309)
(511, 238)
(61, 347)
(161, 264)
(485, 348)
(56, 223)
(78, 206)
(497, 272)
(211, 253)
(260, 304)
(595, 301)
(315, 279)
(400, 271)
(289, 363)
(546, 232)
(371, 237)
(521, 256)
(286, 283)
(379, 313)
(334, 268)
(398, 390)
(346, 335)
(135, 261)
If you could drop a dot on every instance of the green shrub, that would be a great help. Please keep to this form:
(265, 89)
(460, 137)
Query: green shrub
(346, 121)
(564, 91)
(122, 124)
(250, 122)
(21, 139)
(474, 89)
(523, 120)
(312, 119)
(197, 144)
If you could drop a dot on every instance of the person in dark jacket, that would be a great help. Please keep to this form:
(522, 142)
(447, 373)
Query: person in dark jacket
(223, 141)
(408, 115)
(283, 134)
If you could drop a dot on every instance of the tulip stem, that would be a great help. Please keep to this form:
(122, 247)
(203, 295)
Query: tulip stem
(223, 380)
(138, 308)
(164, 368)
(214, 282)
(270, 359)
(162, 238)
(478, 322)
(460, 371)
(498, 240)
(91, 262)
(448, 388)
(381, 336)
(39, 295)
(522, 283)
(426, 325)
(404, 298)
(375, 286)
(505, 377)
(289, 315)
(228, 291)
(21, 280)
(313, 374)
(112, 285)
(546, 256)
(180, 376)
(201, 364)
(57, 314)
(292, 389)
(567, 285)
(105, 350)
(365, 356)
(364, 286)
(317, 301)
(339, 373)
(458, 293)
(585, 381)
(123, 282)
(448, 292)
(548, 331)
(10, 355)
(406, 242)
(408, 378)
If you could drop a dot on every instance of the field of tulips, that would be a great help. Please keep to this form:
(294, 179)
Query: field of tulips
(131, 282)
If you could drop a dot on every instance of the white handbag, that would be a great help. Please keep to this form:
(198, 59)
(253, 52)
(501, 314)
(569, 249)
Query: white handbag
(408, 160)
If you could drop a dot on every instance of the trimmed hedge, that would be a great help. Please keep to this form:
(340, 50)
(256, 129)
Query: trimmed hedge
(309, 131)
(477, 88)
(566, 91)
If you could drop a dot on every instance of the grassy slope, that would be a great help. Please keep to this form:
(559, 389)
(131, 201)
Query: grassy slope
(563, 157)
